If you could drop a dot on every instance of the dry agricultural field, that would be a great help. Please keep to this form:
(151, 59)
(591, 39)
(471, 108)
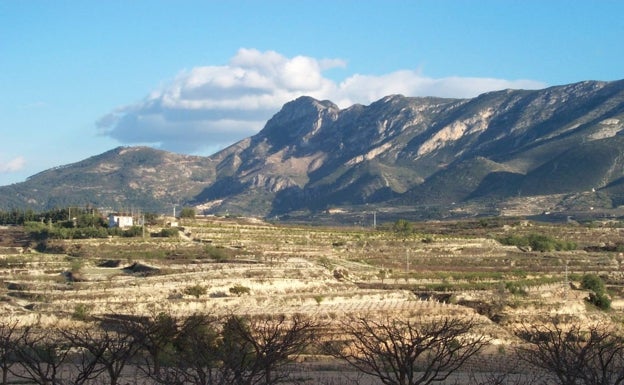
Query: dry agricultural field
(243, 266)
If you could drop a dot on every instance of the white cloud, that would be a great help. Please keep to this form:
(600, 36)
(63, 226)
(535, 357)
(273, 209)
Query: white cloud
(212, 106)
(13, 165)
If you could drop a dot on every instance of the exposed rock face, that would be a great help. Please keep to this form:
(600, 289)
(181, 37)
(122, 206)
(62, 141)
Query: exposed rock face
(424, 151)
(497, 147)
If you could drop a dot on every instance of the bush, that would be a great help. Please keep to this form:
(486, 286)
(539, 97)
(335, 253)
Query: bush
(169, 232)
(592, 282)
(239, 290)
(514, 240)
(403, 227)
(218, 254)
(537, 242)
(195, 290)
(427, 239)
(515, 288)
(134, 231)
(81, 312)
(600, 300)
(598, 295)
(187, 212)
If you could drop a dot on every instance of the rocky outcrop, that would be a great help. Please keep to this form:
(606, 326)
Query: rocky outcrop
(500, 146)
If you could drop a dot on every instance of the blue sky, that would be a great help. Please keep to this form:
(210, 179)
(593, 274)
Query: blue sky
(78, 78)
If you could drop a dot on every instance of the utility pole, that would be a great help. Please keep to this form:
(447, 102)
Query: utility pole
(374, 219)
(174, 211)
(566, 283)
(407, 261)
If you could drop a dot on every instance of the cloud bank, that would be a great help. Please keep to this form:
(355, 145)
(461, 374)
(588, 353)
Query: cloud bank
(214, 106)
(13, 165)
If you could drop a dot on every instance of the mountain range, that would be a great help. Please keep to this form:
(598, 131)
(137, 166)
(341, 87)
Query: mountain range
(508, 152)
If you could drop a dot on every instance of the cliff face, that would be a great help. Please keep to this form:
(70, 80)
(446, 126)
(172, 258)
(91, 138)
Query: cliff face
(492, 149)
(424, 151)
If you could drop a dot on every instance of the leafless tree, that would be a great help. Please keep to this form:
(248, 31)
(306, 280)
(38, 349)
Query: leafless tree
(196, 358)
(9, 335)
(407, 351)
(575, 354)
(155, 334)
(86, 349)
(506, 377)
(108, 347)
(40, 355)
(254, 350)
(120, 348)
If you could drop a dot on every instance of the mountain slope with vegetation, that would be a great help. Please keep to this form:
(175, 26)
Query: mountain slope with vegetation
(499, 149)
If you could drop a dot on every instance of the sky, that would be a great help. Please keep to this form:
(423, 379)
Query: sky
(78, 78)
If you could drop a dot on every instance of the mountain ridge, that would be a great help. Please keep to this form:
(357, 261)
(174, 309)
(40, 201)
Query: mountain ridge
(409, 152)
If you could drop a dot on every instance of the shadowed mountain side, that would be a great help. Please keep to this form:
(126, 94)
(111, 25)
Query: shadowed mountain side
(558, 142)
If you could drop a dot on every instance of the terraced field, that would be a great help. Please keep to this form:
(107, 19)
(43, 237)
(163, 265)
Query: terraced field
(240, 266)
(297, 269)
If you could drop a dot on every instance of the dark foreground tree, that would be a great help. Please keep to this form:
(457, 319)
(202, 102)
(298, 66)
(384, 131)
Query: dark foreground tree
(156, 334)
(196, 358)
(120, 348)
(573, 353)
(255, 350)
(110, 347)
(40, 354)
(9, 336)
(86, 347)
(236, 350)
(408, 351)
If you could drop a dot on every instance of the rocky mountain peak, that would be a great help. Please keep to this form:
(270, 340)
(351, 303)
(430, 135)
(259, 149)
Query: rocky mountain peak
(298, 121)
(483, 154)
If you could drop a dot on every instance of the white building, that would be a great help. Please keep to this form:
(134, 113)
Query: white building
(120, 220)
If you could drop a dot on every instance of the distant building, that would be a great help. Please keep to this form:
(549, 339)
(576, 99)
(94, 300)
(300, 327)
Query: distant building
(120, 220)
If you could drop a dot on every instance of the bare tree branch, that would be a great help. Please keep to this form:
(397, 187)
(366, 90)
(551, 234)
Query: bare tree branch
(573, 353)
(408, 351)
(9, 336)
(265, 345)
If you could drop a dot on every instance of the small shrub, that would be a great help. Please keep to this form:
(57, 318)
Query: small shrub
(169, 232)
(195, 290)
(76, 265)
(134, 231)
(598, 295)
(514, 240)
(81, 312)
(187, 212)
(592, 282)
(218, 294)
(382, 274)
(537, 242)
(515, 288)
(218, 254)
(239, 290)
(403, 227)
(325, 262)
(600, 300)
